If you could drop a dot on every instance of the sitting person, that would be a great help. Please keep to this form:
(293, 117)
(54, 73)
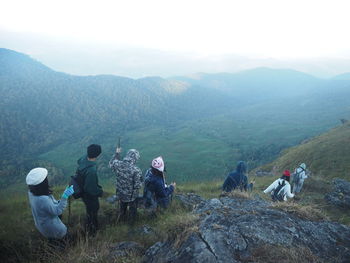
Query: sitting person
(280, 189)
(250, 186)
(155, 186)
(46, 209)
(236, 179)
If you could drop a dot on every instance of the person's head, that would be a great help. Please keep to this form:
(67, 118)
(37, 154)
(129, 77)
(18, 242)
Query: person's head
(241, 167)
(93, 151)
(303, 165)
(132, 156)
(37, 182)
(286, 175)
(158, 166)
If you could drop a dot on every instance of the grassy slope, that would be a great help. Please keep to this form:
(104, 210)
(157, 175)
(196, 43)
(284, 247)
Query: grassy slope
(326, 155)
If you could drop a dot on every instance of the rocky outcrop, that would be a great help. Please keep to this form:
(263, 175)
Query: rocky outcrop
(189, 200)
(237, 230)
(341, 193)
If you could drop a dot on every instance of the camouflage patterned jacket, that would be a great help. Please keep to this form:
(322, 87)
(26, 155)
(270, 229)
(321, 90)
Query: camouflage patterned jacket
(128, 175)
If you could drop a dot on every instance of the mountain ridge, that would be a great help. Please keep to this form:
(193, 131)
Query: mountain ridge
(43, 110)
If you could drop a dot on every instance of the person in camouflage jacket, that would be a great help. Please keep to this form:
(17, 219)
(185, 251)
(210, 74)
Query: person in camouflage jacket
(128, 181)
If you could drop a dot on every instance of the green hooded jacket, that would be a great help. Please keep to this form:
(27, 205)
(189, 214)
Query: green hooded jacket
(91, 186)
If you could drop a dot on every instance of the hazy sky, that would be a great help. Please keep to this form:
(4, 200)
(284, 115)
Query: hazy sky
(196, 30)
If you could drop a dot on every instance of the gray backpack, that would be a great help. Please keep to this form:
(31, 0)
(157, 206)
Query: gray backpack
(278, 193)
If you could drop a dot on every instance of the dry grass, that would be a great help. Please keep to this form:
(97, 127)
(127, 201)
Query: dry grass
(303, 211)
(84, 251)
(167, 224)
(273, 254)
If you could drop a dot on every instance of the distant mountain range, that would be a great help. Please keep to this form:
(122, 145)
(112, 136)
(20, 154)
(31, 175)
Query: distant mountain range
(43, 109)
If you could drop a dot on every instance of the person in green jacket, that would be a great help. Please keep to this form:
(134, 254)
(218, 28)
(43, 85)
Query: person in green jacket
(92, 190)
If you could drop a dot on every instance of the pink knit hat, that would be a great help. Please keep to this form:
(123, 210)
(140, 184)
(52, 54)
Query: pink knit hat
(158, 163)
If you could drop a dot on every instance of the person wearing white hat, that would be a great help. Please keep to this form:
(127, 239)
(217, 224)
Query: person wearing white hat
(45, 208)
(155, 183)
(299, 177)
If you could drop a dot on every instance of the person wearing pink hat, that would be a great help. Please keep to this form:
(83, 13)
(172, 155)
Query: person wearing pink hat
(155, 185)
(280, 189)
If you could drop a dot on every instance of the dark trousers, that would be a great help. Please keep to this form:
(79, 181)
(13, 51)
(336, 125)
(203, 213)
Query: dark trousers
(92, 205)
(124, 215)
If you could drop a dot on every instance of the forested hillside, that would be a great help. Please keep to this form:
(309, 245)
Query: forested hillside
(202, 125)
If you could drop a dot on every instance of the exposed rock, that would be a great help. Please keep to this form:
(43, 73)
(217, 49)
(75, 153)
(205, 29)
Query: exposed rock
(123, 249)
(189, 200)
(231, 229)
(341, 193)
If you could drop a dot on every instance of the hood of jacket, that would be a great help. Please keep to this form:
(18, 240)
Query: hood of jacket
(132, 156)
(241, 167)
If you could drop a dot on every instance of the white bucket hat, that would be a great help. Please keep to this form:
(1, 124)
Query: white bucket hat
(36, 176)
(158, 163)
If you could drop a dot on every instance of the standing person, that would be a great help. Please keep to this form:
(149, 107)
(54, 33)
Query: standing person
(92, 190)
(298, 178)
(155, 184)
(280, 189)
(236, 179)
(46, 209)
(128, 182)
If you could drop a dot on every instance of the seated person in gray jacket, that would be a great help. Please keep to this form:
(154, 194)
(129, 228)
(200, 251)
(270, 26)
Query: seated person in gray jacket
(45, 208)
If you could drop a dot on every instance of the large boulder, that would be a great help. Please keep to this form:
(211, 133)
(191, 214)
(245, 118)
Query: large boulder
(247, 230)
(341, 193)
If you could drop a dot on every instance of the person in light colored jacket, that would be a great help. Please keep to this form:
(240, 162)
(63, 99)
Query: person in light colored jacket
(45, 208)
(299, 177)
(286, 190)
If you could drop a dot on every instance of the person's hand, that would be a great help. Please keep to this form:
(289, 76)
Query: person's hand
(173, 184)
(68, 192)
(118, 150)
